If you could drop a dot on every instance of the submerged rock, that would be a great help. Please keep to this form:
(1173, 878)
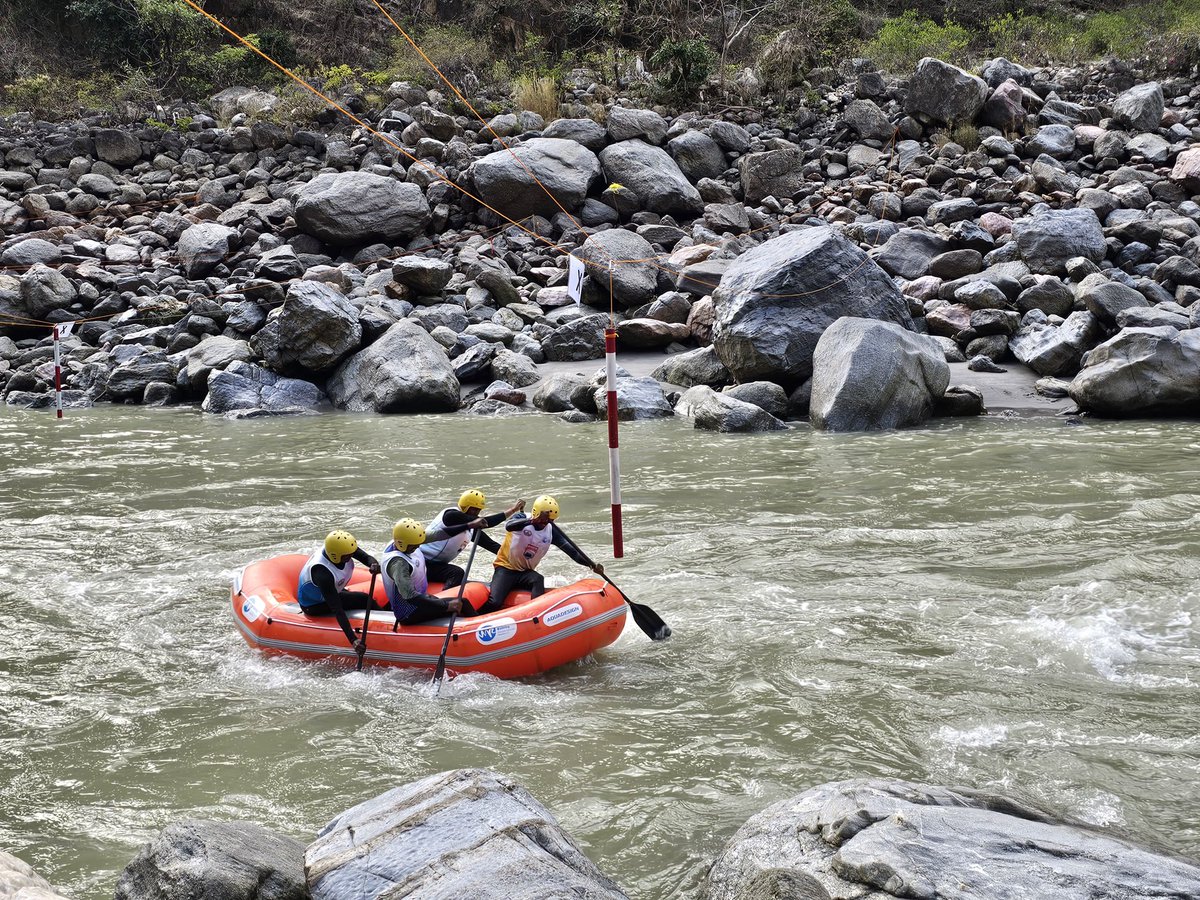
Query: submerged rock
(198, 860)
(880, 839)
(19, 881)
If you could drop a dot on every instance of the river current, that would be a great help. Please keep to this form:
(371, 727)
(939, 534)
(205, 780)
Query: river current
(1011, 604)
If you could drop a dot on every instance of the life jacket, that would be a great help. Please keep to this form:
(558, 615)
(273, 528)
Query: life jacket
(307, 593)
(420, 581)
(445, 550)
(523, 550)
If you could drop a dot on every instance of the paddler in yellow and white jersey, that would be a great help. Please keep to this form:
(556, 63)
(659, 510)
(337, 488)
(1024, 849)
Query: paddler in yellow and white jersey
(525, 544)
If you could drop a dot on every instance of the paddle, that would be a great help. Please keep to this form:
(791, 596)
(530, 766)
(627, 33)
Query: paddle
(362, 645)
(441, 663)
(647, 619)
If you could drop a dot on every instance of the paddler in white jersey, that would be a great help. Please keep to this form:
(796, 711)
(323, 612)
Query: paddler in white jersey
(525, 544)
(440, 554)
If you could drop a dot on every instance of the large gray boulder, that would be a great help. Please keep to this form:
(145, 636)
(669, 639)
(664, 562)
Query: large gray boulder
(713, 411)
(771, 173)
(350, 208)
(870, 375)
(117, 148)
(693, 367)
(651, 174)
(1141, 370)
(45, 290)
(1140, 108)
(404, 371)
(909, 252)
(18, 881)
(314, 330)
(634, 276)
(583, 131)
(776, 300)
(878, 839)
(637, 398)
(516, 181)
(129, 380)
(1056, 350)
(643, 124)
(199, 860)
(467, 833)
(1052, 237)
(945, 93)
(204, 246)
(563, 391)
(697, 155)
(244, 389)
(215, 351)
(579, 339)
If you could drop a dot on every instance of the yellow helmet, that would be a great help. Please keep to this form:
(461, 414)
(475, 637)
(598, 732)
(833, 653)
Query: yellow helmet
(471, 499)
(545, 504)
(407, 532)
(339, 545)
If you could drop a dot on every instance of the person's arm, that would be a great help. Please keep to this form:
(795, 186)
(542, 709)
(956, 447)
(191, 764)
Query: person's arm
(366, 559)
(447, 530)
(517, 522)
(489, 543)
(560, 540)
(323, 579)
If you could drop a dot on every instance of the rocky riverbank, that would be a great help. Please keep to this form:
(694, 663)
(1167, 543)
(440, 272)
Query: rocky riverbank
(473, 833)
(257, 269)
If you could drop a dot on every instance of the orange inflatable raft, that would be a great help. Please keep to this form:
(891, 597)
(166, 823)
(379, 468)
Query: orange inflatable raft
(524, 637)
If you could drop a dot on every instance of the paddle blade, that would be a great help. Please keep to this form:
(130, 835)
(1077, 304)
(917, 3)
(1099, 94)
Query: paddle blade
(649, 621)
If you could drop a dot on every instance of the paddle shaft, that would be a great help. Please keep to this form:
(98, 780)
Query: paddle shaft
(366, 622)
(647, 619)
(441, 663)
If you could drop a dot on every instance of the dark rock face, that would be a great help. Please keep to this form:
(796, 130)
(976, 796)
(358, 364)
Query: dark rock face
(945, 93)
(512, 180)
(466, 833)
(315, 329)
(358, 207)
(713, 411)
(882, 839)
(775, 301)
(197, 860)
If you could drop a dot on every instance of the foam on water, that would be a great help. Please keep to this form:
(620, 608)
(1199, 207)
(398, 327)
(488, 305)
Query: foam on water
(977, 737)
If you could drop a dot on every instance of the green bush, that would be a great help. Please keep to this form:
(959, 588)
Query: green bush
(683, 66)
(818, 34)
(903, 42)
(450, 47)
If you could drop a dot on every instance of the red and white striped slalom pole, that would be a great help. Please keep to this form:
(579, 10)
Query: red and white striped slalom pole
(614, 454)
(57, 377)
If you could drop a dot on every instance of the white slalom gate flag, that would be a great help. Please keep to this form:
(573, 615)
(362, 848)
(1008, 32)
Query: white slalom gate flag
(65, 329)
(575, 279)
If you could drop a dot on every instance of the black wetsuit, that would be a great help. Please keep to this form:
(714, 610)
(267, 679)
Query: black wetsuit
(505, 580)
(448, 573)
(338, 602)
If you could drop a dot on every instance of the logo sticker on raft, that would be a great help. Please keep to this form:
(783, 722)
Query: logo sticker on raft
(563, 614)
(252, 608)
(496, 633)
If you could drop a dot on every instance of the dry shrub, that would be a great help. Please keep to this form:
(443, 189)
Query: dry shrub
(538, 94)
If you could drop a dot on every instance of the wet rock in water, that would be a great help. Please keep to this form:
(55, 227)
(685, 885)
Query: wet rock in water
(722, 412)
(213, 352)
(562, 392)
(243, 387)
(881, 838)
(516, 181)
(1141, 370)
(775, 301)
(129, 380)
(405, 371)
(515, 368)
(466, 833)
(961, 400)
(764, 394)
(359, 207)
(692, 367)
(871, 375)
(199, 860)
(577, 340)
(637, 398)
(19, 881)
(313, 331)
